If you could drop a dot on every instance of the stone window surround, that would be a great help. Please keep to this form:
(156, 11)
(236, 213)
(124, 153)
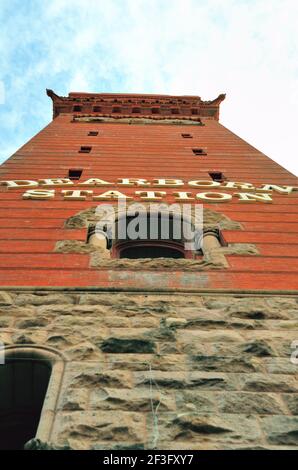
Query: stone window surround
(57, 362)
(214, 256)
(102, 238)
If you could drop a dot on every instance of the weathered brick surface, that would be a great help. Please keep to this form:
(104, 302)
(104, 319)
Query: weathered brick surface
(30, 228)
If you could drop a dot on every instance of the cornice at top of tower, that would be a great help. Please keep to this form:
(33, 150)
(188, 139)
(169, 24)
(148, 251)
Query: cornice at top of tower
(135, 104)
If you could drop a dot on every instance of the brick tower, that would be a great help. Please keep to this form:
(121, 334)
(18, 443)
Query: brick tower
(143, 344)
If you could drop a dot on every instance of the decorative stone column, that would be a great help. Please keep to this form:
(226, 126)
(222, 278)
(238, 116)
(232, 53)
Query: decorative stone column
(99, 238)
(210, 240)
(209, 243)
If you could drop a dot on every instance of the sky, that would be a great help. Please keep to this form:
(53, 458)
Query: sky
(247, 49)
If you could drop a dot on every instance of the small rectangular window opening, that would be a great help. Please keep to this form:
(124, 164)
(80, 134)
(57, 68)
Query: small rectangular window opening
(77, 108)
(93, 133)
(175, 111)
(96, 109)
(74, 175)
(194, 111)
(116, 110)
(136, 110)
(217, 176)
(155, 110)
(199, 151)
(186, 136)
(85, 149)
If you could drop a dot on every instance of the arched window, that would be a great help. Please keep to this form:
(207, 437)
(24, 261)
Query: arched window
(30, 380)
(150, 249)
(153, 235)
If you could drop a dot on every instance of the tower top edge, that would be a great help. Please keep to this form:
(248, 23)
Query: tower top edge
(184, 105)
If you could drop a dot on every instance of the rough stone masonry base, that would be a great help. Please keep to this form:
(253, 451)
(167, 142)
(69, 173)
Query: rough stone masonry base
(164, 371)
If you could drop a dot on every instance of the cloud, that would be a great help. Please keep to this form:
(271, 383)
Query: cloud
(245, 48)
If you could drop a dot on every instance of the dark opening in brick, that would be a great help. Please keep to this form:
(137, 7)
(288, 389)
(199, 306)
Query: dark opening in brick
(116, 110)
(136, 110)
(217, 176)
(93, 133)
(155, 110)
(85, 149)
(74, 174)
(175, 111)
(199, 151)
(194, 111)
(96, 109)
(186, 136)
(77, 108)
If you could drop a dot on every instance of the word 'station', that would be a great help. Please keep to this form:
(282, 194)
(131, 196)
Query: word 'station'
(147, 190)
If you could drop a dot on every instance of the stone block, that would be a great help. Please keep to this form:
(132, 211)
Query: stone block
(281, 430)
(268, 383)
(223, 364)
(195, 400)
(202, 429)
(142, 399)
(129, 345)
(91, 378)
(5, 298)
(249, 403)
(291, 401)
(43, 299)
(84, 429)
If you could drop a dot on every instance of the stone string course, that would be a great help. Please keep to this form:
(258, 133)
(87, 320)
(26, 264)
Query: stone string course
(165, 371)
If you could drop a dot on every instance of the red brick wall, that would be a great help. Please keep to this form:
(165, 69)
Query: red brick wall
(29, 229)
